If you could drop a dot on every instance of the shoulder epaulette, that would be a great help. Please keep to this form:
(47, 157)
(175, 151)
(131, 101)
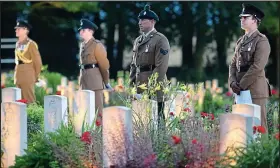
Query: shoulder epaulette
(31, 41)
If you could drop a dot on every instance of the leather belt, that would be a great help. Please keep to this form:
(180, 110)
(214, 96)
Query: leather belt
(244, 68)
(88, 66)
(145, 68)
(20, 62)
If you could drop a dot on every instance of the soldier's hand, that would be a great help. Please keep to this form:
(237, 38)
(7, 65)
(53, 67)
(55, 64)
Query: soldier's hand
(109, 87)
(235, 88)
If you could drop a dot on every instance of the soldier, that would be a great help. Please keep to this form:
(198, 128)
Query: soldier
(94, 65)
(246, 71)
(150, 54)
(28, 62)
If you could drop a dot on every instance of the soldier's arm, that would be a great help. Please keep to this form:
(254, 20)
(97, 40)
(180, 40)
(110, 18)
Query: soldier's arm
(161, 58)
(260, 60)
(132, 72)
(232, 70)
(36, 59)
(103, 63)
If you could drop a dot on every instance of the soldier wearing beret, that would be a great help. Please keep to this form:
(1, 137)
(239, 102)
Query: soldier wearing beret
(150, 55)
(28, 62)
(246, 71)
(94, 65)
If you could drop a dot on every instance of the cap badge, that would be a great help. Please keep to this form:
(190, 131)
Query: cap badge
(145, 13)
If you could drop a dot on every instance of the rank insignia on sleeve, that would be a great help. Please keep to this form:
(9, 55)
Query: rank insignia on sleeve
(164, 52)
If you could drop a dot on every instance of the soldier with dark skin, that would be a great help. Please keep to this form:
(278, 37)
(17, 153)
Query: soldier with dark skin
(28, 62)
(150, 55)
(247, 69)
(94, 65)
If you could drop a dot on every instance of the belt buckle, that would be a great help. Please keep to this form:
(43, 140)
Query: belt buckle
(137, 70)
(82, 66)
(93, 65)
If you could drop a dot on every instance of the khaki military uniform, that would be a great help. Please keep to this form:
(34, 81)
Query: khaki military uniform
(247, 68)
(150, 55)
(27, 69)
(153, 52)
(93, 52)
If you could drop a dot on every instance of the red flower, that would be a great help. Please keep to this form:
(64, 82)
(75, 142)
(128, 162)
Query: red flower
(2, 86)
(188, 155)
(254, 129)
(22, 101)
(97, 122)
(188, 96)
(259, 129)
(120, 86)
(229, 94)
(211, 116)
(274, 92)
(187, 109)
(176, 139)
(277, 136)
(150, 159)
(203, 114)
(171, 113)
(99, 114)
(58, 92)
(86, 137)
(194, 141)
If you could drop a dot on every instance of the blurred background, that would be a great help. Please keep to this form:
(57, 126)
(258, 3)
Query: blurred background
(202, 35)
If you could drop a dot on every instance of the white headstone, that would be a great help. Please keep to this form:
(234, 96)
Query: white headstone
(10, 94)
(84, 109)
(70, 96)
(251, 110)
(144, 111)
(13, 131)
(55, 112)
(106, 97)
(235, 131)
(208, 84)
(180, 99)
(63, 81)
(215, 84)
(173, 81)
(117, 136)
(3, 78)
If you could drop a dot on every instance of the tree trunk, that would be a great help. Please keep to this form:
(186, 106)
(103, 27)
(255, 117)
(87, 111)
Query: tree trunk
(187, 35)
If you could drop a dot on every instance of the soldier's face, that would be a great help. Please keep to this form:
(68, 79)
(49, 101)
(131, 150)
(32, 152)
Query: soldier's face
(247, 22)
(21, 31)
(85, 33)
(145, 25)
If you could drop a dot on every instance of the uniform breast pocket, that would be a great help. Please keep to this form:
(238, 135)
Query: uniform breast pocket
(146, 58)
(247, 53)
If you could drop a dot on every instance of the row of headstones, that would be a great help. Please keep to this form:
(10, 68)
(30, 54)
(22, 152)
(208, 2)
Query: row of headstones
(234, 127)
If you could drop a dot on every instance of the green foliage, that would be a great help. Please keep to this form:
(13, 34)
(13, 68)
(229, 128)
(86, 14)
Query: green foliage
(9, 82)
(35, 119)
(214, 104)
(54, 149)
(263, 152)
(53, 79)
(40, 93)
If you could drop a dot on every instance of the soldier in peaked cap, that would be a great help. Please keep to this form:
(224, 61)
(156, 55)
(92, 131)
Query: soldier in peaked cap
(94, 65)
(246, 71)
(28, 62)
(150, 55)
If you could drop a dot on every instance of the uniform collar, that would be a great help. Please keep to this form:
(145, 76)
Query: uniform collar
(23, 41)
(146, 35)
(250, 33)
